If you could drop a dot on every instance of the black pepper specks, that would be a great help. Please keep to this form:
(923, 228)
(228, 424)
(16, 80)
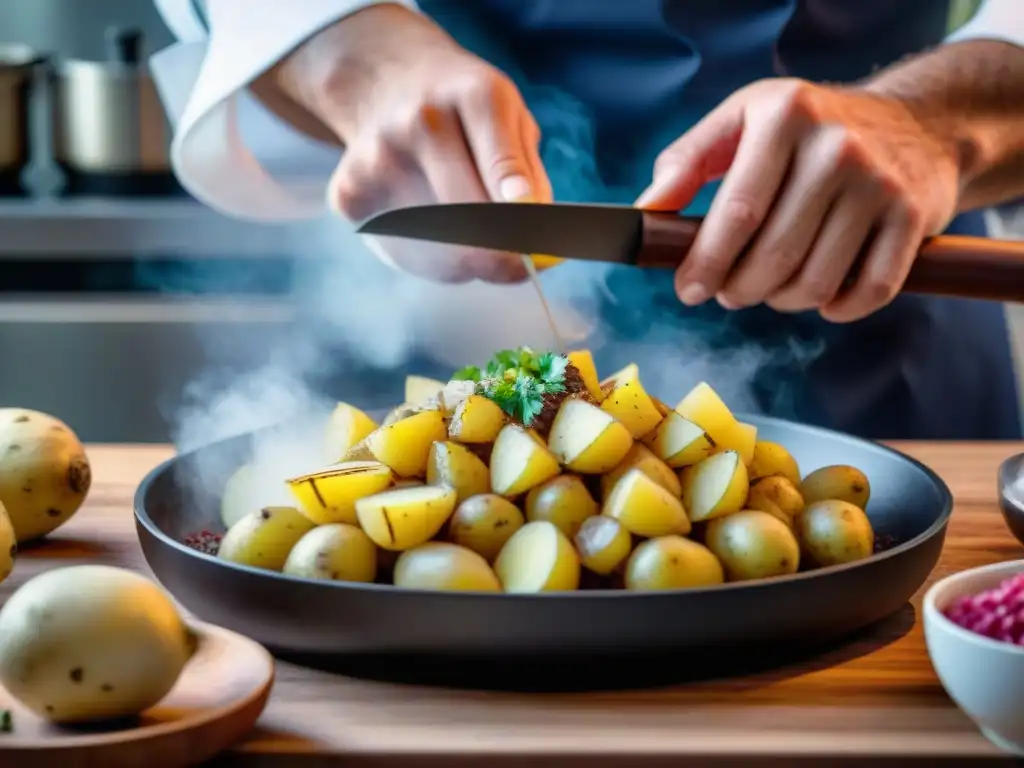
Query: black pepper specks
(53, 512)
(76, 674)
(21, 419)
(107, 688)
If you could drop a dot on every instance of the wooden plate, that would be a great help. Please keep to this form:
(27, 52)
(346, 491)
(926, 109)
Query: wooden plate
(215, 702)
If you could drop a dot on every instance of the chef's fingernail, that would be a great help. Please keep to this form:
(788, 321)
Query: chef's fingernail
(694, 294)
(654, 191)
(515, 189)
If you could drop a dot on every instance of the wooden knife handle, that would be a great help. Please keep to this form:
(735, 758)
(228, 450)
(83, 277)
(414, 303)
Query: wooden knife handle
(947, 265)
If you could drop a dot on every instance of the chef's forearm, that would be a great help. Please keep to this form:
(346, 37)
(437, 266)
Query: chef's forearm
(970, 95)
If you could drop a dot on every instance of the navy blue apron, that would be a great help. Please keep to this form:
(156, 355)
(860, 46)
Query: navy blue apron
(611, 83)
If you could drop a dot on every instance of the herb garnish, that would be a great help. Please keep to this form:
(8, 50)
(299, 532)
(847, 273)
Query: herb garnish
(519, 380)
(6, 721)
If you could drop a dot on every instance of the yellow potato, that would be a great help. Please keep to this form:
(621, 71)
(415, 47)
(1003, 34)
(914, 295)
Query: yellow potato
(520, 461)
(640, 457)
(837, 482)
(753, 545)
(587, 439)
(476, 420)
(777, 496)
(8, 544)
(399, 412)
(454, 394)
(538, 558)
(715, 487)
(338, 552)
(679, 442)
(405, 445)
(564, 501)
(672, 562)
(663, 409)
(329, 495)
(584, 363)
(457, 467)
(746, 440)
(603, 544)
(629, 402)
(358, 452)
(403, 518)
(264, 538)
(442, 566)
(645, 508)
(627, 373)
(250, 488)
(773, 459)
(833, 532)
(704, 407)
(421, 390)
(346, 426)
(484, 523)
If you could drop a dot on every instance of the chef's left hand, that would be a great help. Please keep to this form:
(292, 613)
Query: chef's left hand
(814, 178)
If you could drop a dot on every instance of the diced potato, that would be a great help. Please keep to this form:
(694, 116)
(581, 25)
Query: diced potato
(476, 420)
(753, 545)
(777, 496)
(840, 482)
(346, 426)
(405, 517)
(329, 495)
(454, 394)
(746, 437)
(337, 552)
(405, 445)
(641, 457)
(520, 462)
(715, 487)
(249, 489)
(679, 442)
(264, 538)
(662, 407)
(705, 408)
(564, 501)
(832, 532)
(484, 523)
(603, 544)
(645, 508)
(587, 439)
(421, 390)
(584, 363)
(457, 467)
(358, 452)
(399, 412)
(627, 373)
(672, 562)
(538, 558)
(629, 402)
(773, 459)
(442, 566)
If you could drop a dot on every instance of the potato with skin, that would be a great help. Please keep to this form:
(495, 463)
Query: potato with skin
(91, 642)
(8, 544)
(629, 403)
(405, 445)
(603, 544)
(746, 440)
(833, 532)
(476, 420)
(564, 501)
(777, 496)
(401, 411)
(403, 518)
(538, 558)
(679, 442)
(520, 461)
(672, 562)
(704, 407)
(329, 495)
(421, 389)
(587, 439)
(753, 545)
(715, 487)
(583, 361)
(773, 459)
(484, 523)
(457, 467)
(841, 482)
(358, 452)
(346, 426)
(640, 457)
(335, 552)
(439, 565)
(644, 508)
(250, 488)
(44, 472)
(264, 538)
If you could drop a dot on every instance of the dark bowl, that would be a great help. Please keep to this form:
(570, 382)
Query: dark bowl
(909, 508)
(1011, 494)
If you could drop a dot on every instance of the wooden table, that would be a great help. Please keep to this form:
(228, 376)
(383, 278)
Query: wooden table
(875, 701)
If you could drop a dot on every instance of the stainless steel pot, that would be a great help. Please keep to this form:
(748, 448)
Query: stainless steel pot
(17, 70)
(109, 129)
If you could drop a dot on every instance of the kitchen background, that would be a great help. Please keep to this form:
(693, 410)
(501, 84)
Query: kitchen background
(104, 297)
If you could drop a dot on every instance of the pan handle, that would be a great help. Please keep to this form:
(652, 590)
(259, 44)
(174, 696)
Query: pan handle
(947, 265)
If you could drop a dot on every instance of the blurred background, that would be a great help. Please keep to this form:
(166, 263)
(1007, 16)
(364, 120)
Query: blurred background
(108, 273)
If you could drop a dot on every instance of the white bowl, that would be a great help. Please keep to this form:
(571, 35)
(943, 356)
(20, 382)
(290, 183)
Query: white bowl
(984, 677)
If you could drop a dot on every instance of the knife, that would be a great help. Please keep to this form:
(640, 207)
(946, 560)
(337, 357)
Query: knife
(947, 265)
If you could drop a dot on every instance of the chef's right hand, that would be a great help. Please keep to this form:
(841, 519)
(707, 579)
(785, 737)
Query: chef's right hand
(422, 120)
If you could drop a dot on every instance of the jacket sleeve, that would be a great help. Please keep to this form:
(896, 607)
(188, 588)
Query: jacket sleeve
(994, 20)
(229, 151)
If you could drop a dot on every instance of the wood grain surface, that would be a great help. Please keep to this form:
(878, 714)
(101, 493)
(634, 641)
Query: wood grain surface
(875, 700)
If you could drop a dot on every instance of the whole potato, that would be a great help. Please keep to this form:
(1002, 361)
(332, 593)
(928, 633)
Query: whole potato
(91, 642)
(483, 523)
(443, 566)
(564, 501)
(8, 544)
(773, 459)
(837, 482)
(777, 496)
(264, 538)
(44, 472)
(672, 562)
(753, 545)
(833, 532)
(337, 551)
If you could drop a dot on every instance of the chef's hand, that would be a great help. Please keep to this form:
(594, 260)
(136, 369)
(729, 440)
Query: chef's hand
(827, 195)
(422, 120)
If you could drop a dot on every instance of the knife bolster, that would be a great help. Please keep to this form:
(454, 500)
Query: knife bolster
(665, 239)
